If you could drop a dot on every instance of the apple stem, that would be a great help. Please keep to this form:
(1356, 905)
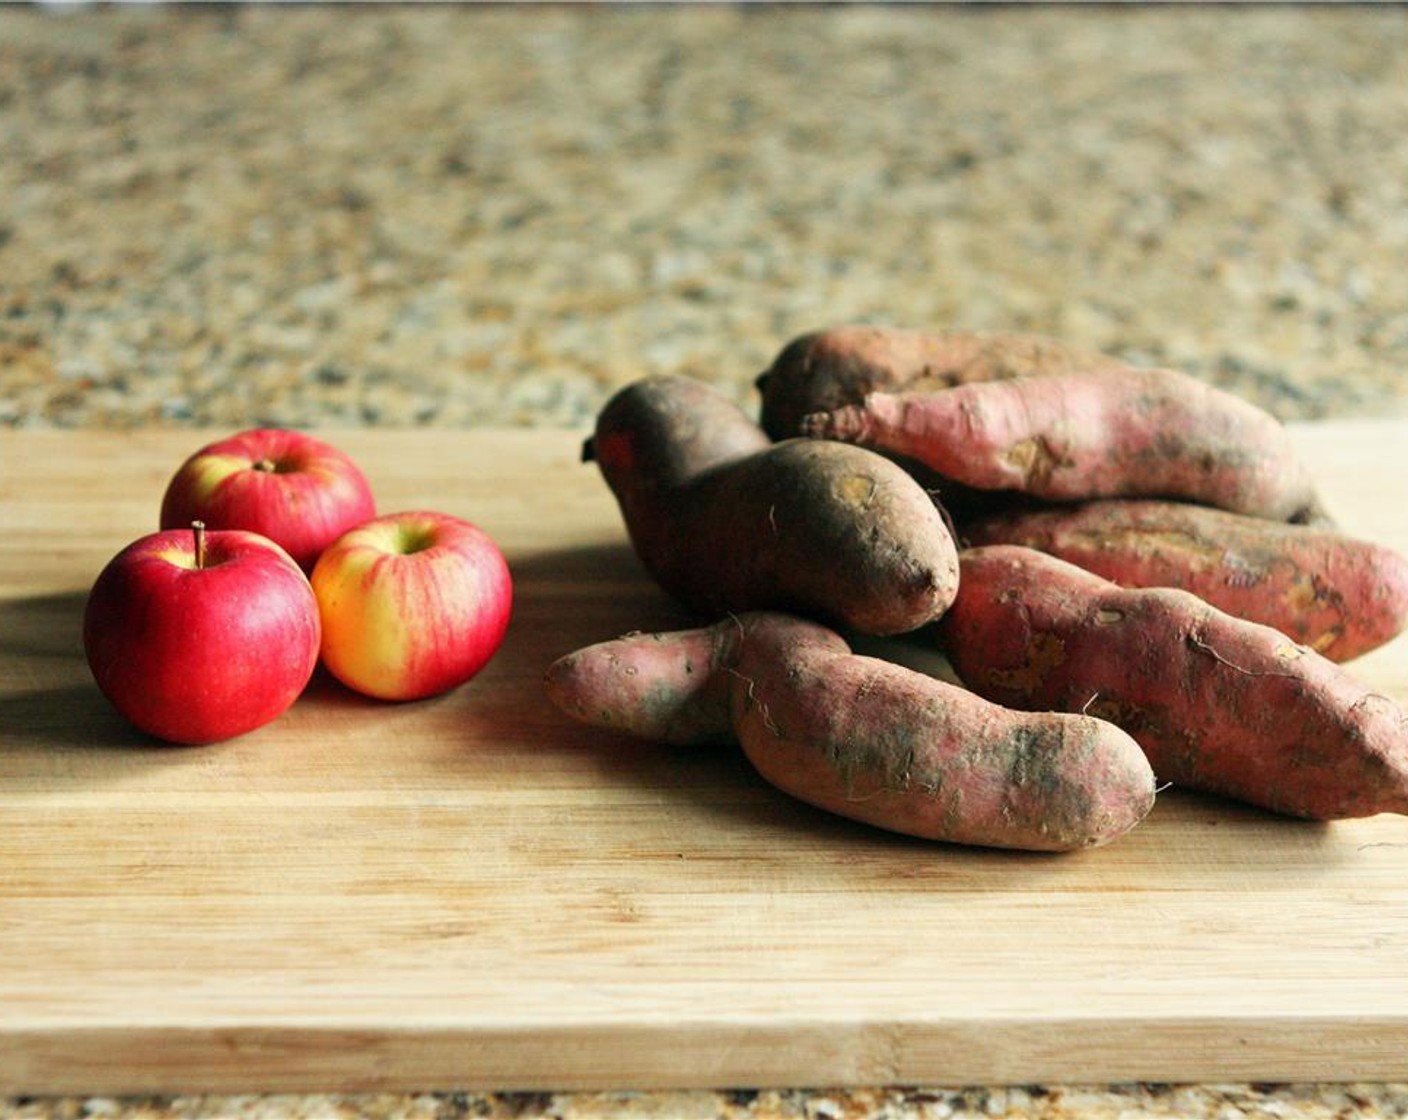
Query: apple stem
(266, 464)
(198, 528)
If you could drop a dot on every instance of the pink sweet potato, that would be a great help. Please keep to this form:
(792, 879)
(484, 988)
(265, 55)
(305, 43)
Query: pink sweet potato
(1337, 594)
(826, 369)
(726, 521)
(1219, 704)
(866, 738)
(1140, 433)
(671, 688)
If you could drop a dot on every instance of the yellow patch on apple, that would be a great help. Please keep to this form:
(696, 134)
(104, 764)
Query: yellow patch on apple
(413, 604)
(210, 472)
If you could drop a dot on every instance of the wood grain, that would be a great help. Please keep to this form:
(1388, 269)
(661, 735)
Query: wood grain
(474, 892)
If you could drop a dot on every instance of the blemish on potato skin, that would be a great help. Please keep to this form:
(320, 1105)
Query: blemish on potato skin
(1122, 713)
(1326, 641)
(858, 489)
(1035, 460)
(1045, 652)
(1304, 594)
(1029, 751)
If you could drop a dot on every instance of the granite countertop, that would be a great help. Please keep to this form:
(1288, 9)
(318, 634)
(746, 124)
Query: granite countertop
(459, 216)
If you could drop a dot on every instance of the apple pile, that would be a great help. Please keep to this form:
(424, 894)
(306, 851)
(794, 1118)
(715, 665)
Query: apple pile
(269, 558)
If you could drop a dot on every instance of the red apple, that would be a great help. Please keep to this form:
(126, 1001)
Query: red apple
(293, 488)
(413, 604)
(200, 636)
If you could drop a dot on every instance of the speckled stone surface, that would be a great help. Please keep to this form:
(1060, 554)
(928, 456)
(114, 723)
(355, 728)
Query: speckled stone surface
(458, 216)
(1124, 1102)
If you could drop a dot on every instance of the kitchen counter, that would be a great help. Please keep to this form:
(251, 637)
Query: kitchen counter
(1134, 1102)
(462, 216)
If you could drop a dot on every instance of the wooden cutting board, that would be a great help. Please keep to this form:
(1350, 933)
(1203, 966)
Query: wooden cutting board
(474, 892)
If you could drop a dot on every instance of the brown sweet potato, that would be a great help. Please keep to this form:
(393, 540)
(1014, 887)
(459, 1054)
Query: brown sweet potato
(1140, 433)
(866, 738)
(1337, 594)
(680, 427)
(826, 369)
(1218, 703)
(726, 521)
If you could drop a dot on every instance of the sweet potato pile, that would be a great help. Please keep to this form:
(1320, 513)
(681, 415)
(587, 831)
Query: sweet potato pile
(1129, 571)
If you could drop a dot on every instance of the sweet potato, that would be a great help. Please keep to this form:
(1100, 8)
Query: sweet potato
(680, 426)
(1140, 433)
(865, 738)
(671, 688)
(826, 369)
(726, 521)
(1337, 594)
(1219, 704)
